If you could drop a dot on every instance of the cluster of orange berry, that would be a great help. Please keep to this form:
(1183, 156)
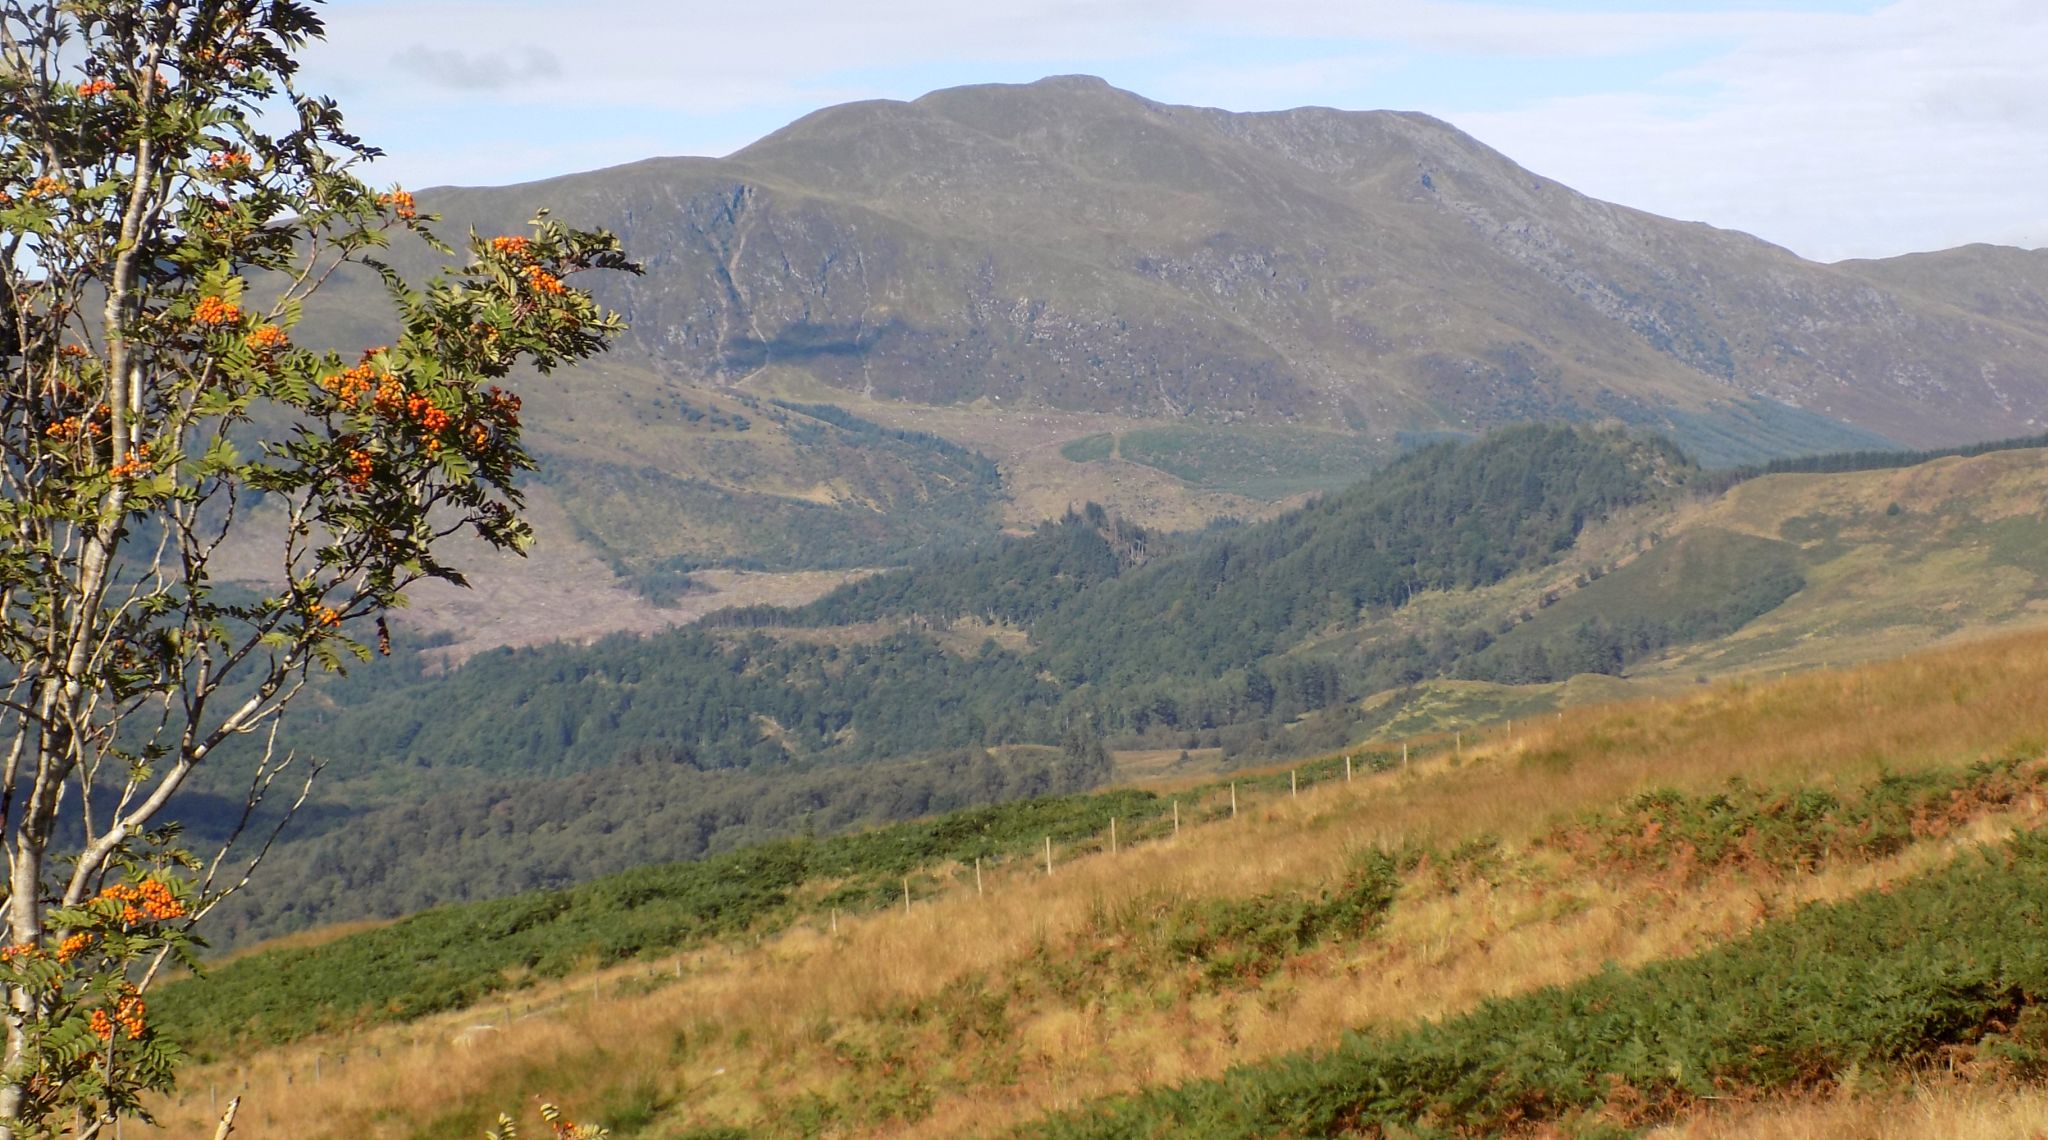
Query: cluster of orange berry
(352, 383)
(266, 339)
(72, 427)
(151, 899)
(216, 311)
(136, 463)
(94, 88)
(228, 160)
(401, 204)
(357, 473)
(393, 402)
(326, 616)
(73, 352)
(45, 187)
(74, 946)
(127, 1014)
(427, 414)
(12, 954)
(541, 281)
(389, 400)
(512, 245)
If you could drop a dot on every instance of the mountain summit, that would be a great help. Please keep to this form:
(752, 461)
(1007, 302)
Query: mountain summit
(1067, 244)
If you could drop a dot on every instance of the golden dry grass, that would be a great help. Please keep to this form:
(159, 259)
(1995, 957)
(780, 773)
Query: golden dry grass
(1928, 1110)
(877, 1025)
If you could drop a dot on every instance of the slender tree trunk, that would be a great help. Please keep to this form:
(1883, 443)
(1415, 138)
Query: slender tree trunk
(24, 923)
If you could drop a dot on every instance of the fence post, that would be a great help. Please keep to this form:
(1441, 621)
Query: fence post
(906, 894)
(1233, 799)
(1294, 781)
(1347, 769)
(1404, 754)
(1176, 817)
(1048, 854)
(1112, 835)
(977, 876)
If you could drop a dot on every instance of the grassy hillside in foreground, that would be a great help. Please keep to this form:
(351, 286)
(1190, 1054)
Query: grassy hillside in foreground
(1528, 860)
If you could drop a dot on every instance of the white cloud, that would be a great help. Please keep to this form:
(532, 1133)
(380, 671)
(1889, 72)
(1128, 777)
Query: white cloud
(1921, 126)
(478, 71)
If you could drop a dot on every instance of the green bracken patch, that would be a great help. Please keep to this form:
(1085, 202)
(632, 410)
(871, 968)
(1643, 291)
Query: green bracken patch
(1952, 964)
(1755, 829)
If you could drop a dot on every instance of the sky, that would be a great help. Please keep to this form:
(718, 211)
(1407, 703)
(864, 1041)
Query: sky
(1837, 128)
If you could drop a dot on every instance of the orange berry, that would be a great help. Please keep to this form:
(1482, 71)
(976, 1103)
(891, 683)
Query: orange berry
(541, 281)
(216, 311)
(266, 338)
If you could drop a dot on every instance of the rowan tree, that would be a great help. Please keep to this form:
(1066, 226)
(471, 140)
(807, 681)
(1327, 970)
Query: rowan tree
(170, 205)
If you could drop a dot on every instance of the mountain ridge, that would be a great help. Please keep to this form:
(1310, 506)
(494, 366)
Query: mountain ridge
(1067, 244)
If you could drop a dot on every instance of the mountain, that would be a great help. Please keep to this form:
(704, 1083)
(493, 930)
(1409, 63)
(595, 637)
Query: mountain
(1234, 307)
(1066, 244)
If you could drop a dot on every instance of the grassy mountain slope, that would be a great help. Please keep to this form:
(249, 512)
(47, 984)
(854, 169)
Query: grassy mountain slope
(1891, 560)
(1580, 852)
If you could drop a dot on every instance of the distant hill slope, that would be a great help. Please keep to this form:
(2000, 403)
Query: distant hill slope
(1396, 607)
